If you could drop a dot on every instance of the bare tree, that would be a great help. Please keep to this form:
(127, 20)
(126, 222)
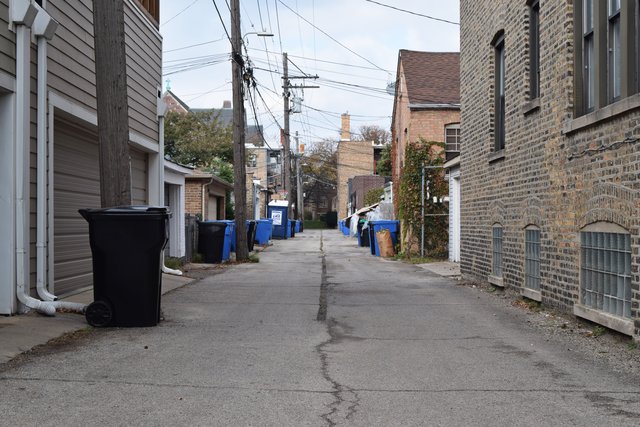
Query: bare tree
(373, 133)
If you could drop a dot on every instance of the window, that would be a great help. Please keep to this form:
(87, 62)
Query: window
(532, 259)
(499, 93)
(605, 272)
(452, 140)
(534, 49)
(497, 251)
(606, 54)
(588, 60)
(615, 63)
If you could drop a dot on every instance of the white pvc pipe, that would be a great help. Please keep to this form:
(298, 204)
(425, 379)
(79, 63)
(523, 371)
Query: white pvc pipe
(22, 142)
(41, 220)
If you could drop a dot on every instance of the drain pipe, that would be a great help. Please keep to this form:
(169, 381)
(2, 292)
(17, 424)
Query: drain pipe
(44, 29)
(22, 14)
(161, 112)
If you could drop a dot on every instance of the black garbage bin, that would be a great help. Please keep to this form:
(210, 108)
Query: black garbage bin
(364, 237)
(372, 239)
(126, 246)
(251, 234)
(211, 236)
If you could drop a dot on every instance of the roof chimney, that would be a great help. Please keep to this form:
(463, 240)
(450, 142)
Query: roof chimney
(345, 135)
(226, 104)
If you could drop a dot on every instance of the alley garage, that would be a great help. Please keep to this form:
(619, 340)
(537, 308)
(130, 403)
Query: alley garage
(76, 185)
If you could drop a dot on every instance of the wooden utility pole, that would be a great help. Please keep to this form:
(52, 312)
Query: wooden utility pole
(111, 92)
(239, 169)
(286, 160)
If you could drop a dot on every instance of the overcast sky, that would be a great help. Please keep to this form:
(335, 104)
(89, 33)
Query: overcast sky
(352, 45)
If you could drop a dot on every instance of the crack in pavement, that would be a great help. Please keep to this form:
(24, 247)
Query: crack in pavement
(341, 394)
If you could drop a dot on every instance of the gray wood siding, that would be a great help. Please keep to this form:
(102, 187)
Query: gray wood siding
(7, 41)
(72, 63)
(139, 177)
(71, 52)
(144, 73)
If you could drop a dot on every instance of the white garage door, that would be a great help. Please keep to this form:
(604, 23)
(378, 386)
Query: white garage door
(76, 185)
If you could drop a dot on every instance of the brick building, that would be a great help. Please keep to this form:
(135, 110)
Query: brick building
(205, 195)
(426, 105)
(359, 186)
(354, 158)
(550, 181)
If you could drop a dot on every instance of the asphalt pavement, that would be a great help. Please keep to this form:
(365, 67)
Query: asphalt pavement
(319, 332)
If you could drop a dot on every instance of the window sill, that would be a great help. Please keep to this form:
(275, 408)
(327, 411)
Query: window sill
(530, 106)
(495, 280)
(624, 326)
(605, 113)
(531, 294)
(495, 156)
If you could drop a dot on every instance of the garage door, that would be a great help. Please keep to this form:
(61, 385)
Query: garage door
(76, 185)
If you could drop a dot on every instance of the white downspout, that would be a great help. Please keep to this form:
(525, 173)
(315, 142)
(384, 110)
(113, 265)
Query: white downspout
(44, 29)
(161, 112)
(23, 77)
(41, 220)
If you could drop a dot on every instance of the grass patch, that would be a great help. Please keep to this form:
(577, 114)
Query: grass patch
(196, 258)
(173, 263)
(598, 331)
(310, 224)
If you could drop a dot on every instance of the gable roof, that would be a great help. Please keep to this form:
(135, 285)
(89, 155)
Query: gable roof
(431, 77)
(174, 103)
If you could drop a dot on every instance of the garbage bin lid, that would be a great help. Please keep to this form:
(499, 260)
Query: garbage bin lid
(283, 203)
(124, 210)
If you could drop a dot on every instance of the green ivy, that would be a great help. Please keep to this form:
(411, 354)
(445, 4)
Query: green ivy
(419, 154)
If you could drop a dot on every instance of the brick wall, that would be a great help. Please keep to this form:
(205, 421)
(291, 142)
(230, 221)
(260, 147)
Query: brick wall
(354, 158)
(361, 186)
(193, 197)
(545, 177)
(411, 125)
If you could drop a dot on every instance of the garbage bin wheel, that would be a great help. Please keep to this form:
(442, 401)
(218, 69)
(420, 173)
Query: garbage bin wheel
(99, 314)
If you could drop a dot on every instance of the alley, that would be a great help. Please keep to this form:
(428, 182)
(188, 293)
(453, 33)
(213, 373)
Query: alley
(320, 333)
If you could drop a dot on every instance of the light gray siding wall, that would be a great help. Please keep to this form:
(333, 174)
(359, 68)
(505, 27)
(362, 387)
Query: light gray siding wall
(7, 41)
(144, 67)
(71, 52)
(139, 177)
(72, 61)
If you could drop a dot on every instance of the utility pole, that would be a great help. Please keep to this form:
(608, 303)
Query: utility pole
(286, 160)
(111, 93)
(239, 170)
(299, 195)
(286, 85)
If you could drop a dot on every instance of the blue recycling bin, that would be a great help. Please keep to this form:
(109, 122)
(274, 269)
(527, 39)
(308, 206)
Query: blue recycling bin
(278, 213)
(297, 230)
(263, 231)
(291, 231)
(231, 226)
(391, 225)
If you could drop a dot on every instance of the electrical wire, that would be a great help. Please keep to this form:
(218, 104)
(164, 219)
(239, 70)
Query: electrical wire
(331, 37)
(414, 13)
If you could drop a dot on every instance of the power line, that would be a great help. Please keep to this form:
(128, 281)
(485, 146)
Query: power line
(179, 13)
(414, 13)
(331, 37)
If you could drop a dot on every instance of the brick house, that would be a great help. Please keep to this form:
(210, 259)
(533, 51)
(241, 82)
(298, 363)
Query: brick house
(550, 183)
(426, 105)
